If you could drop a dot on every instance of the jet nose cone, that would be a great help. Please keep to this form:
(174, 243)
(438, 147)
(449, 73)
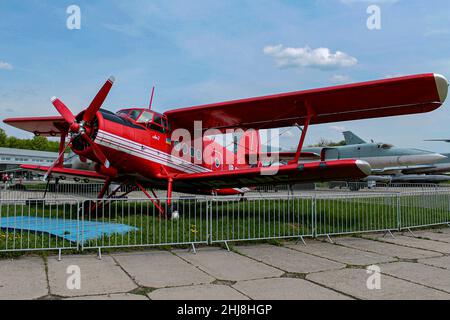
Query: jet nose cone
(418, 159)
(440, 157)
(434, 157)
(442, 86)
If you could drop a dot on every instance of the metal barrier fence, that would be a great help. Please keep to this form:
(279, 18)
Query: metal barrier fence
(57, 224)
(423, 209)
(256, 218)
(39, 190)
(22, 223)
(350, 214)
(146, 227)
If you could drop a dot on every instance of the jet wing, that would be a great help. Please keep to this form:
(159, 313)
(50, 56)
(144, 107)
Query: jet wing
(393, 170)
(44, 126)
(286, 156)
(374, 99)
(288, 174)
(66, 173)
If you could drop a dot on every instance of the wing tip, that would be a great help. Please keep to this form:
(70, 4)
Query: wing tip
(364, 167)
(441, 86)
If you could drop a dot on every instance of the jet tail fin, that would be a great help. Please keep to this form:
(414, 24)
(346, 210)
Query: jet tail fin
(351, 138)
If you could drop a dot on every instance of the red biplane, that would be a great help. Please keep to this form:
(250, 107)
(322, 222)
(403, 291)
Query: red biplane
(134, 146)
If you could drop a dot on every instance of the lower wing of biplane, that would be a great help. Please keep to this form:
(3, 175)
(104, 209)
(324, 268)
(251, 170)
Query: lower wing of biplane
(276, 175)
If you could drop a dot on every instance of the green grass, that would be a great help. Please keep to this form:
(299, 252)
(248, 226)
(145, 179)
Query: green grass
(232, 220)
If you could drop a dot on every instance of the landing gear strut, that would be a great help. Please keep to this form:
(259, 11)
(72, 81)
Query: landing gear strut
(169, 210)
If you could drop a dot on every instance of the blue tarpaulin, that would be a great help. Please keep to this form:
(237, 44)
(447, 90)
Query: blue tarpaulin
(68, 229)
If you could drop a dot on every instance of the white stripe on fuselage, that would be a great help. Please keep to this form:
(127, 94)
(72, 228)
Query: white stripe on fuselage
(130, 147)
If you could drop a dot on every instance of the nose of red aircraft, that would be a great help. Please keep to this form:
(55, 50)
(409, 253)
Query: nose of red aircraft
(83, 128)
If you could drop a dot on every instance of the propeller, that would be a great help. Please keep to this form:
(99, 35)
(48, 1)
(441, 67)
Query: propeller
(96, 104)
(97, 151)
(60, 156)
(80, 129)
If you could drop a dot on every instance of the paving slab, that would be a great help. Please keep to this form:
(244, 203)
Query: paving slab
(224, 265)
(23, 279)
(341, 254)
(416, 272)
(413, 242)
(98, 277)
(443, 237)
(199, 292)
(288, 260)
(354, 283)
(119, 296)
(286, 289)
(386, 249)
(160, 269)
(444, 230)
(440, 262)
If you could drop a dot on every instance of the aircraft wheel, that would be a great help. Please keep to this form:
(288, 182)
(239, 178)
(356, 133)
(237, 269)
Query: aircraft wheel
(173, 213)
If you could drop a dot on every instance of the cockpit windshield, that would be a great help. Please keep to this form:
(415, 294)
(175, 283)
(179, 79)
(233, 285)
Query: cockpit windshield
(150, 119)
(145, 117)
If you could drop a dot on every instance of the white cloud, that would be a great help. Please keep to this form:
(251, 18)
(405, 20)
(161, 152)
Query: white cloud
(395, 75)
(338, 128)
(5, 66)
(340, 79)
(321, 58)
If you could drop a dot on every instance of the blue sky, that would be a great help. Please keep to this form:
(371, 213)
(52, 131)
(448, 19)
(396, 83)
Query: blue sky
(208, 51)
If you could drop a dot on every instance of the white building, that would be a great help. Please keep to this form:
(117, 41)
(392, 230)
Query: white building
(11, 159)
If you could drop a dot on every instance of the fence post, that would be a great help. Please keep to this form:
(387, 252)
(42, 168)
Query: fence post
(314, 215)
(78, 225)
(208, 221)
(82, 225)
(399, 212)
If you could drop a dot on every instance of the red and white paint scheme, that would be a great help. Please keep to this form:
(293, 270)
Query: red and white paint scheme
(134, 146)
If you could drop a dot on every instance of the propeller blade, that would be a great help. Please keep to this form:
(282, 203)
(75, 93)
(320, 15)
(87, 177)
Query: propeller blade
(96, 104)
(97, 151)
(61, 155)
(63, 110)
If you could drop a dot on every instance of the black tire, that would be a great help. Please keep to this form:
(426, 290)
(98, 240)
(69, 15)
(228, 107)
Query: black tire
(171, 209)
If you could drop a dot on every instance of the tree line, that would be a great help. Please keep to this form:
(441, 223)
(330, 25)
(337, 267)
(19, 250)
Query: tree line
(37, 143)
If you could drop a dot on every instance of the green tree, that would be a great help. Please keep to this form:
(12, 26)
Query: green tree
(3, 138)
(328, 143)
(36, 143)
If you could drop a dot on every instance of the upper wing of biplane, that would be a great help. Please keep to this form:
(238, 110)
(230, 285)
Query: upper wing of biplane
(381, 98)
(287, 174)
(45, 126)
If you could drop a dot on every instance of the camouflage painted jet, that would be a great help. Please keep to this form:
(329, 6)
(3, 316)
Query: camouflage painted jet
(383, 158)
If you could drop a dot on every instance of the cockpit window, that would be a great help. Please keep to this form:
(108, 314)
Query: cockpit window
(157, 119)
(134, 114)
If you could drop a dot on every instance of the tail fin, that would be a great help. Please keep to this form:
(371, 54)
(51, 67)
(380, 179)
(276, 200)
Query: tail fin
(352, 139)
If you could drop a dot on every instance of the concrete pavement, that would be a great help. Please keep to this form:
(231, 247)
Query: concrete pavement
(410, 268)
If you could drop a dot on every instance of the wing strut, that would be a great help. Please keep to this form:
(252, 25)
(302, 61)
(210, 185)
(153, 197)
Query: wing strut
(310, 114)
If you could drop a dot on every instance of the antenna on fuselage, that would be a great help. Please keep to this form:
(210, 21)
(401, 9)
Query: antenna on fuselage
(151, 98)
